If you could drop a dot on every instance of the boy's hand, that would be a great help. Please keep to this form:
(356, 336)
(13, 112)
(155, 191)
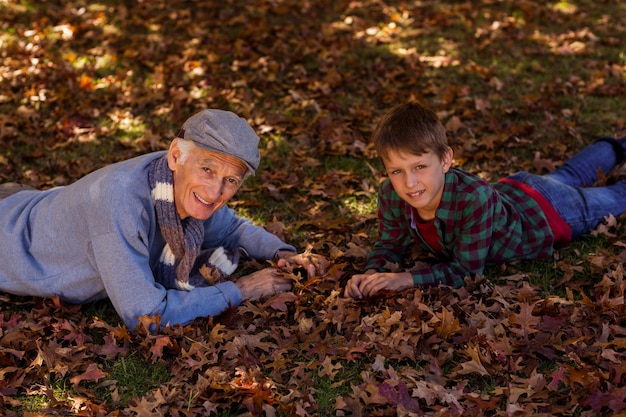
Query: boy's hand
(371, 282)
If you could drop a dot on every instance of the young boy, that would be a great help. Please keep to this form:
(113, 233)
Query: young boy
(465, 222)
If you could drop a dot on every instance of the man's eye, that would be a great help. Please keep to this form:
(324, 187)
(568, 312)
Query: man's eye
(232, 181)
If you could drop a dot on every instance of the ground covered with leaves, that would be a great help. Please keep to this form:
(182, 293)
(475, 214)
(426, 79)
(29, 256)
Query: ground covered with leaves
(520, 85)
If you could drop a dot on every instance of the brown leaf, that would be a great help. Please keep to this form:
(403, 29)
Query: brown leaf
(92, 373)
(279, 301)
(110, 349)
(448, 323)
(474, 365)
(525, 320)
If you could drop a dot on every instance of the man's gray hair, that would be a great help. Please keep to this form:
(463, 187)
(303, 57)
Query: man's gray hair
(186, 147)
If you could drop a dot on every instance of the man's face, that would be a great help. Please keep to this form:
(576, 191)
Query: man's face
(204, 181)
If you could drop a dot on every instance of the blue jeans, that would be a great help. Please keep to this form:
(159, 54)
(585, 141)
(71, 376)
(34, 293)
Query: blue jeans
(569, 189)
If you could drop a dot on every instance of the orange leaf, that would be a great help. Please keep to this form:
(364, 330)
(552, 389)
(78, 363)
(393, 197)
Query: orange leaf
(157, 349)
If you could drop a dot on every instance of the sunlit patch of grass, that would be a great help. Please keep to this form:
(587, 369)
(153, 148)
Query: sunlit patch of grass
(264, 211)
(565, 7)
(197, 92)
(41, 398)
(360, 206)
(127, 127)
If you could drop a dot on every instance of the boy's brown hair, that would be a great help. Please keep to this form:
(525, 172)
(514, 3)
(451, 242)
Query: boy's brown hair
(411, 128)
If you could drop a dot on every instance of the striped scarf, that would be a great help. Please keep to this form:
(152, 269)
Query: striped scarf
(183, 238)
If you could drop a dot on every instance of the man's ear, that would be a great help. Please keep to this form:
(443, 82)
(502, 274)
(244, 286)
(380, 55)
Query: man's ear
(173, 154)
(447, 159)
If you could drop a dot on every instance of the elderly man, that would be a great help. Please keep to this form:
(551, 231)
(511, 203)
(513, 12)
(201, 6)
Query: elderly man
(139, 231)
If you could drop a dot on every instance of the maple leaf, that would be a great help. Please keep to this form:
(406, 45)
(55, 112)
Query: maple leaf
(370, 395)
(159, 343)
(147, 324)
(92, 373)
(356, 251)
(558, 377)
(210, 274)
(454, 124)
(218, 333)
(328, 369)
(615, 400)
(259, 402)
(276, 228)
(604, 228)
(525, 320)
(349, 404)
(448, 323)
(582, 375)
(9, 324)
(543, 165)
(144, 408)
(110, 349)
(379, 363)
(399, 396)
(354, 351)
(279, 301)
(475, 364)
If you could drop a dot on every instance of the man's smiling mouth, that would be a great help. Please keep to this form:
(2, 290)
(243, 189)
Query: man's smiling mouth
(200, 199)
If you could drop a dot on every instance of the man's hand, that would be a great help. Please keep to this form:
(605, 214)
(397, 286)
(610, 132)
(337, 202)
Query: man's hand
(371, 282)
(263, 283)
(315, 265)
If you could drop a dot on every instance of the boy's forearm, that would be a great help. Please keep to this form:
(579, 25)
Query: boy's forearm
(438, 274)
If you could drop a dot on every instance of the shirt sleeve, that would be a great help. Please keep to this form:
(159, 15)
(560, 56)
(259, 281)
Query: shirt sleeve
(128, 280)
(122, 260)
(393, 231)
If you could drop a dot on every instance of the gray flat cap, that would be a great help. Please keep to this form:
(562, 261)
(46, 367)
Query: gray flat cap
(224, 132)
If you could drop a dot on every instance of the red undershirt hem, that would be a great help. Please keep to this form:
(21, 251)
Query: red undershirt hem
(561, 230)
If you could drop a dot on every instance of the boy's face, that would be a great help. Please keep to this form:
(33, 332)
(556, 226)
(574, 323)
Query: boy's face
(204, 181)
(419, 179)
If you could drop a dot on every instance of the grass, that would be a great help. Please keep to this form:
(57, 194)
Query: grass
(326, 391)
(134, 376)
(128, 378)
(571, 262)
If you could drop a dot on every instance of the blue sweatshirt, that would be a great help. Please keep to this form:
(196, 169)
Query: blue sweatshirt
(98, 238)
